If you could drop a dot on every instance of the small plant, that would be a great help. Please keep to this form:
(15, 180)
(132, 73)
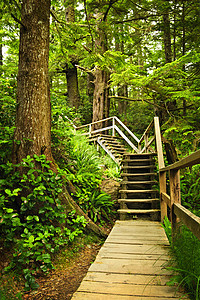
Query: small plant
(33, 218)
(168, 229)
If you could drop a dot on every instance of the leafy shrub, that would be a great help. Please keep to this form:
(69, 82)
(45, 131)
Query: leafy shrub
(32, 217)
(187, 251)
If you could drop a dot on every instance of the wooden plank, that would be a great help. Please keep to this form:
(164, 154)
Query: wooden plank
(188, 161)
(130, 271)
(130, 267)
(137, 249)
(145, 239)
(188, 218)
(129, 289)
(102, 296)
(127, 278)
(140, 257)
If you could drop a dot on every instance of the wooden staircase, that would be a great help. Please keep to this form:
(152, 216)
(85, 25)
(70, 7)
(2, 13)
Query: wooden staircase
(112, 145)
(138, 193)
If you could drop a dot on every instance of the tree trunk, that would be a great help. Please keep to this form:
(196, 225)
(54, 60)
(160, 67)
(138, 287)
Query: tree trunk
(167, 36)
(101, 101)
(71, 71)
(72, 86)
(33, 113)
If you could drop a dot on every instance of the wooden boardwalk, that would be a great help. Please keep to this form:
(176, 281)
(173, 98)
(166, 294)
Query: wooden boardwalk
(132, 264)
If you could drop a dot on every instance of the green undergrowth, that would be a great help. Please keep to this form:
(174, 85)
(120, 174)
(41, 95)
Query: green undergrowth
(186, 249)
(11, 283)
(32, 219)
(68, 254)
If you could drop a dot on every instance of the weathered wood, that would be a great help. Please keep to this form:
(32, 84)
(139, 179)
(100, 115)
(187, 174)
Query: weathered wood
(102, 296)
(166, 198)
(129, 289)
(127, 278)
(126, 128)
(126, 139)
(188, 218)
(161, 163)
(188, 161)
(175, 194)
(150, 126)
(131, 271)
(163, 204)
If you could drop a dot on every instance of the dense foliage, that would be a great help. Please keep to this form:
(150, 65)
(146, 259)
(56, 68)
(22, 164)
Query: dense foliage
(150, 52)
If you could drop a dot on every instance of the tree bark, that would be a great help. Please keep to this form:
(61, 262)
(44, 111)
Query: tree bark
(167, 36)
(101, 101)
(33, 113)
(71, 71)
(72, 86)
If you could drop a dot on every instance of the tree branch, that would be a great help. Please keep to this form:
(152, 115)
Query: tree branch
(18, 21)
(140, 100)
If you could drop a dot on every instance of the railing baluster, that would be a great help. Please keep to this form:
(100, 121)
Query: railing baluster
(113, 126)
(175, 195)
(90, 129)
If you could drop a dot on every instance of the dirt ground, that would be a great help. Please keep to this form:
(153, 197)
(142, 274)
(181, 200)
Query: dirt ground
(60, 284)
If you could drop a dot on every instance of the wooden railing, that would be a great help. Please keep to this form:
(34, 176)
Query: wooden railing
(116, 126)
(173, 201)
(177, 212)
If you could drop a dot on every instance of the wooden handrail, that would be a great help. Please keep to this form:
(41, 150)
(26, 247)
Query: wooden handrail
(93, 123)
(188, 161)
(150, 126)
(188, 218)
(126, 128)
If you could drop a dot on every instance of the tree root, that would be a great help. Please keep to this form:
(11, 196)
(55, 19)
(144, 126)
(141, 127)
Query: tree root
(72, 205)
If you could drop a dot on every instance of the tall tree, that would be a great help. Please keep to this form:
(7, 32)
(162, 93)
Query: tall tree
(71, 70)
(33, 114)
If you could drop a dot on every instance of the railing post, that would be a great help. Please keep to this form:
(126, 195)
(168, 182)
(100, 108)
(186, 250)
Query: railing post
(175, 195)
(146, 143)
(163, 205)
(90, 129)
(113, 126)
(161, 164)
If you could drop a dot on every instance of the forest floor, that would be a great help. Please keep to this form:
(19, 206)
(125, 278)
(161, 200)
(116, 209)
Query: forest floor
(71, 266)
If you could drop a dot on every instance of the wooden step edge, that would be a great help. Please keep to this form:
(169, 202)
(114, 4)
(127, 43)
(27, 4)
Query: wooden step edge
(138, 174)
(141, 154)
(138, 191)
(140, 182)
(138, 200)
(138, 211)
(138, 167)
(138, 160)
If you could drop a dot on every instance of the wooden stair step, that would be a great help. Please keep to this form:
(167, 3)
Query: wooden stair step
(137, 174)
(139, 182)
(138, 211)
(138, 160)
(138, 200)
(138, 191)
(140, 154)
(138, 167)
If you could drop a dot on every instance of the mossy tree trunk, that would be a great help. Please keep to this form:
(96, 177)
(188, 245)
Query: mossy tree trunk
(33, 113)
